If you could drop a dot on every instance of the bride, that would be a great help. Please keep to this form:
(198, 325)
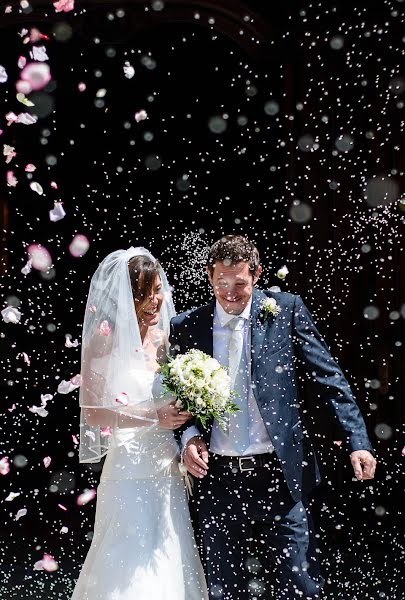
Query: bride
(143, 546)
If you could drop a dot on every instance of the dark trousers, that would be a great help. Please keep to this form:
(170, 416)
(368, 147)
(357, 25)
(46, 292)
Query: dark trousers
(255, 540)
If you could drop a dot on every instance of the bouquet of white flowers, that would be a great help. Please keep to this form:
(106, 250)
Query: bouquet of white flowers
(201, 386)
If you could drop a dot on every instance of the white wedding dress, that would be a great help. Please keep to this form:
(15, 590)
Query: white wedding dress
(143, 546)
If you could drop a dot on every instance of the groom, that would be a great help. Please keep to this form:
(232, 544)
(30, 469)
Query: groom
(252, 480)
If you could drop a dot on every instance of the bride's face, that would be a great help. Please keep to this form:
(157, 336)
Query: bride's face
(150, 310)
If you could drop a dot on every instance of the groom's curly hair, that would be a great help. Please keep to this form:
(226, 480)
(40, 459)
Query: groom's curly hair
(233, 249)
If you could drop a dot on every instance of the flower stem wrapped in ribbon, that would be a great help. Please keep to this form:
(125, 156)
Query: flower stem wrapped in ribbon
(201, 385)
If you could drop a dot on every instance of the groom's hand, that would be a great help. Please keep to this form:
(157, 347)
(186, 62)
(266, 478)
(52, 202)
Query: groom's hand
(195, 457)
(363, 463)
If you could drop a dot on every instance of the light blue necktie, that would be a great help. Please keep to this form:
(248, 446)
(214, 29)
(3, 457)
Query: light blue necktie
(238, 371)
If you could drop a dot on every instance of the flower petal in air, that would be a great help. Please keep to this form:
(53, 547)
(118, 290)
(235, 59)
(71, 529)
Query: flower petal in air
(69, 343)
(39, 53)
(86, 497)
(282, 273)
(25, 357)
(106, 431)
(47, 461)
(91, 435)
(30, 168)
(22, 98)
(11, 314)
(3, 74)
(37, 187)
(79, 246)
(39, 410)
(26, 119)
(4, 466)
(9, 152)
(57, 213)
(47, 563)
(11, 179)
(141, 115)
(129, 70)
(122, 398)
(65, 387)
(21, 513)
(64, 5)
(23, 87)
(40, 257)
(104, 328)
(12, 495)
(38, 75)
(11, 118)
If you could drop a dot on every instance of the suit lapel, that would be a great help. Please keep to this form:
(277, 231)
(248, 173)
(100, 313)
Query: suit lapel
(202, 336)
(258, 324)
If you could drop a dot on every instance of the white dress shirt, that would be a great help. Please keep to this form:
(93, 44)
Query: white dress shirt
(220, 442)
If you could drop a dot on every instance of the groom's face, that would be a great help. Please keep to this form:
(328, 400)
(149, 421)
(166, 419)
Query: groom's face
(233, 285)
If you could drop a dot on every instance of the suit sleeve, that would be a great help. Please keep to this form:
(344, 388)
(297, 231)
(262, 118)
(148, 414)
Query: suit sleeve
(188, 430)
(329, 379)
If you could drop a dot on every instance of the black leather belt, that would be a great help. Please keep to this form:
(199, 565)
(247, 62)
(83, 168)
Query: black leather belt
(241, 463)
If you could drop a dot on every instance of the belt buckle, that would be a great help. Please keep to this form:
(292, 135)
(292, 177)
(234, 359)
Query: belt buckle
(241, 467)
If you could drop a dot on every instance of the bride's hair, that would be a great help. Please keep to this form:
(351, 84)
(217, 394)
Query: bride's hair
(142, 273)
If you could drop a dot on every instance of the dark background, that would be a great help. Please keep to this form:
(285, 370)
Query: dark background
(331, 73)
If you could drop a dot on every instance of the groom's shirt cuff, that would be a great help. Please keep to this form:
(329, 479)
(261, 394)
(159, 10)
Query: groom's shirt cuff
(188, 434)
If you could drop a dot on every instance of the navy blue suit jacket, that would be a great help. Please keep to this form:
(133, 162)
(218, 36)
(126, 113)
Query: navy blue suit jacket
(277, 342)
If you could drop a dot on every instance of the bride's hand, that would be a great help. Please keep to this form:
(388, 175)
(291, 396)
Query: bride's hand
(170, 418)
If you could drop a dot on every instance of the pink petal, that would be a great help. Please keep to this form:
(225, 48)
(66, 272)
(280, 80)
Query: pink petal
(26, 358)
(37, 74)
(41, 259)
(106, 431)
(141, 116)
(122, 398)
(30, 168)
(11, 118)
(47, 461)
(76, 380)
(62, 507)
(11, 179)
(403, 451)
(24, 87)
(69, 343)
(36, 35)
(64, 5)
(86, 497)
(75, 440)
(48, 563)
(81, 86)
(54, 185)
(79, 246)
(22, 61)
(4, 466)
(104, 328)
(338, 443)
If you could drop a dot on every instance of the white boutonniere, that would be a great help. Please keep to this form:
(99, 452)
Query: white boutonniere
(269, 307)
